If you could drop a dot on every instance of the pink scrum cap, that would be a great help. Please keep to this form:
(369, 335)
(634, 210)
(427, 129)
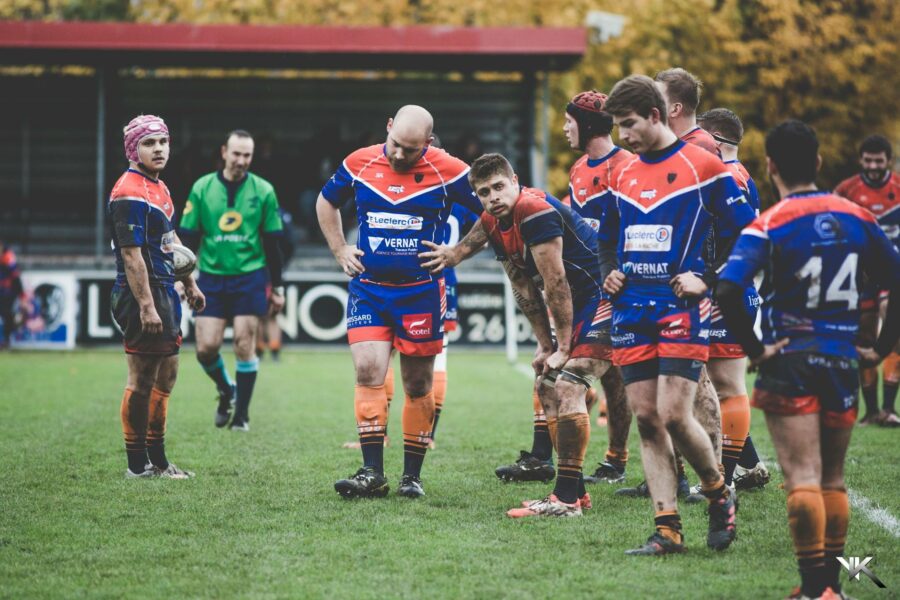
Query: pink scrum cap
(139, 128)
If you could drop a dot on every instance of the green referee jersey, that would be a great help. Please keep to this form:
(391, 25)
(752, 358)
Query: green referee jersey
(231, 218)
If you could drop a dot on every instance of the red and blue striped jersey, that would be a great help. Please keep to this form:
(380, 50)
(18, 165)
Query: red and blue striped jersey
(397, 211)
(9, 273)
(589, 180)
(538, 217)
(745, 182)
(882, 200)
(815, 247)
(140, 214)
(702, 139)
(666, 201)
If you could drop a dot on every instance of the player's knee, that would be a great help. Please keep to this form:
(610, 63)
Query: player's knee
(571, 396)
(416, 387)
(206, 354)
(368, 375)
(649, 426)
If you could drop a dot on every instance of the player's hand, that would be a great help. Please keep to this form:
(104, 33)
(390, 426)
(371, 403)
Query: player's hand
(556, 361)
(688, 285)
(276, 303)
(195, 298)
(769, 350)
(868, 358)
(541, 355)
(439, 258)
(614, 282)
(150, 321)
(348, 259)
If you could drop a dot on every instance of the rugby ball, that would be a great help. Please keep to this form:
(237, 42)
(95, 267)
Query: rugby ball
(185, 260)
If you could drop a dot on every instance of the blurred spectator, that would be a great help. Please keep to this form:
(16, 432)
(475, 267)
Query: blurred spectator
(468, 147)
(10, 290)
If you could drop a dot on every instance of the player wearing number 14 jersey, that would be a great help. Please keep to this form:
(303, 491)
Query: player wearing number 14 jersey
(815, 246)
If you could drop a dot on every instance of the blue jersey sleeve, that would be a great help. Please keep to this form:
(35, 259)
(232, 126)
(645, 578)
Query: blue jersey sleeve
(749, 256)
(724, 199)
(460, 192)
(882, 261)
(753, 193)
(541, 226)
(339, 188)
(129, 219)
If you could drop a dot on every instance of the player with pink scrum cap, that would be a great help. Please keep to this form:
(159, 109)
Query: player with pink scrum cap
(144, 302)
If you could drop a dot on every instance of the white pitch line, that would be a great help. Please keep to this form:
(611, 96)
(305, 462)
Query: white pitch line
(875, 513)
(525, 370)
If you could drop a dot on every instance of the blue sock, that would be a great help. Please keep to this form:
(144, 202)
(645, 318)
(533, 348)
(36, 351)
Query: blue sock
(749, 457)
(246, 379)
(216, 371)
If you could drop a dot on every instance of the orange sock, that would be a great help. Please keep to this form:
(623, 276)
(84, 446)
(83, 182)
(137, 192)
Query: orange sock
(439, 387)
(552, 423)
(616, 457)
(573, 431)
(713, 489)
(370, 404)
(891, 368)
(837, 520)
(156, 428)
(538, 408)
(668, 524)
(389, 384)
(806, 518)
(418, 417)
(275, 345)
(735, 429)
(134, 413)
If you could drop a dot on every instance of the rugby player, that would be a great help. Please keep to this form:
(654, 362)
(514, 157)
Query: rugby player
(877, 190)
(727, 362)
(815, 247)
(544, 244)
(144, 301)
(666, 198)
(587, 128)
(403, 191)
(231, 220)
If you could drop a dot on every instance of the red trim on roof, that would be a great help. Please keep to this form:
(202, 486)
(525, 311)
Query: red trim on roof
(436, 40)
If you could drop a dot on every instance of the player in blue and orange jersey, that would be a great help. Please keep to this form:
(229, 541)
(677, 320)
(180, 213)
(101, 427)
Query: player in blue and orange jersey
(877, 190)
(727, 361)
(681, 92)
(544, 244)
(587, 128)
(11, 289)
(815, 247)
(666, 198)
(144, 301)
(404, 191)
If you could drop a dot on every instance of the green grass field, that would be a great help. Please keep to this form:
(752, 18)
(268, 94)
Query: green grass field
(261, 519)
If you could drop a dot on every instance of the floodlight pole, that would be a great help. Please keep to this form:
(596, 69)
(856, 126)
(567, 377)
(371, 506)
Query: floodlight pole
(101, 164)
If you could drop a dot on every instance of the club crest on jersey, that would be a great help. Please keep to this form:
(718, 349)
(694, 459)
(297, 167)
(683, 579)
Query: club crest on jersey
(418, 325)
(826, 226)
(419, 177)
(671, 177)
(230, 221)
(397, 189)
(596, 181)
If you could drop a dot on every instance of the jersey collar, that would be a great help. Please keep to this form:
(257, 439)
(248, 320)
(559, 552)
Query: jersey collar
(591, 162)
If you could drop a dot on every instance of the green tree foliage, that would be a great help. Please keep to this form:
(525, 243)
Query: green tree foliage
(831, 63)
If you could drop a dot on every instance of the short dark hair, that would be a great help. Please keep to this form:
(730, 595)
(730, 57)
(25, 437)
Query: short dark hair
(794, 148)
(241, 133)
(488, 165)
(876, 144)
(723, 121)
(636, 93)
(681, 86)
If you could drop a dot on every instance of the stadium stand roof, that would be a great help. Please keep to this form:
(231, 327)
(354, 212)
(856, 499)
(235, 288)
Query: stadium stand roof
(413, 47)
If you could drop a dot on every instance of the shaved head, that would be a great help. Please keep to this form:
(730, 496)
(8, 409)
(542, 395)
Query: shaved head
(408, 133)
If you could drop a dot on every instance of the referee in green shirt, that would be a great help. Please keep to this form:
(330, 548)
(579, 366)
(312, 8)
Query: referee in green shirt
(231, 221)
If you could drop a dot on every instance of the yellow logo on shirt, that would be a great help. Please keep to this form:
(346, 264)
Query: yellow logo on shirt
(188, 207)
(230, 221)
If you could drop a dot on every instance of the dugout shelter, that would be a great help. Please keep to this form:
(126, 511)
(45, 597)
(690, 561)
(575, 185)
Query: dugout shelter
(312, 92)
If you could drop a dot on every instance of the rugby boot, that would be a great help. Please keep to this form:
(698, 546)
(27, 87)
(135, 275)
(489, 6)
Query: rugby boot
(551, 506)
(527, 468)
(365, 483)
(722, 527)
(223, 410)
(751, 479)
(639, 491)
(606, 473)
(410, 487)
(657, 545)
(585, 502)
(172, 472)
